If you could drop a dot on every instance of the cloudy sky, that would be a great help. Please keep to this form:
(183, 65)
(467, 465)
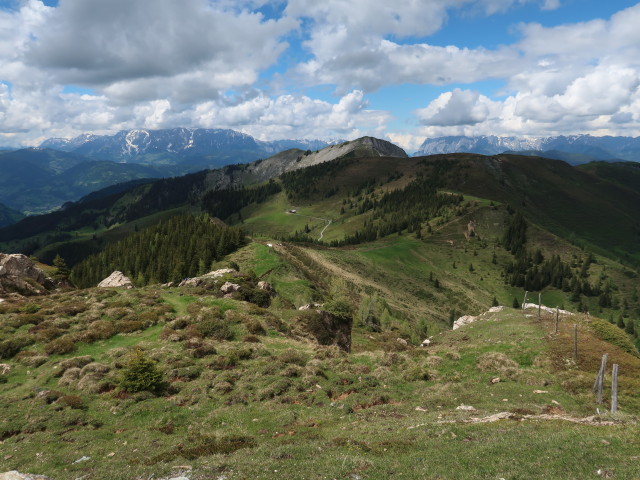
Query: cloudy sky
(403, 70)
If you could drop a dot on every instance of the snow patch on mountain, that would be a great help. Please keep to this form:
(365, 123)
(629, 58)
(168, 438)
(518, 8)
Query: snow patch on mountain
(581, 148)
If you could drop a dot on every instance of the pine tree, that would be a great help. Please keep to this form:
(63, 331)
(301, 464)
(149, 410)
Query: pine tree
(630, 327)
(620, 322)
(62, 270)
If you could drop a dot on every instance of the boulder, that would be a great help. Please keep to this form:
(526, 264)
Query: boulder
(190, 282)
(464, 320)
(325, 328)
(311, 306)
(116, 279)
(229, 287)
(220, 273)
(14, 475)
(19, 274)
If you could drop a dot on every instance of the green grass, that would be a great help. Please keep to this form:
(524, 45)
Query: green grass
(343, 416)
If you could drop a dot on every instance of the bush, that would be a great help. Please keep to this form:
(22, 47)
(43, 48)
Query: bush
(11, 346)
(215, 328)
(255, 327)
(293, 357)
(609, 333)
(60, 346)
(73, 401)
(498, 363)
(140, 374)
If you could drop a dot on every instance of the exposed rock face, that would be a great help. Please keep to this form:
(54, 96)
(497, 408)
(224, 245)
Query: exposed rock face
(229, 287)
(325, 328)
(220, 273)
(19, 274)
(14, 475)
(116, 279)
(464, 320)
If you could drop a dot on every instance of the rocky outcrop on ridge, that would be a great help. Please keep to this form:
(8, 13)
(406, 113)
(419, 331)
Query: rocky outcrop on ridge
(19, 274)
(116, 279)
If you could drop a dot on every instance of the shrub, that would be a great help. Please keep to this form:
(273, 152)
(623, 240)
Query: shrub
(60, 346)
(140, 374)
(73, 401)
(256, 296)
(609, 333)
(255, 327)
(13, 345)
(215, 328)
(294, 357)
(499, 363)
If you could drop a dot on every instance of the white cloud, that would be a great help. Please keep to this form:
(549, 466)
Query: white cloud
(458, 107)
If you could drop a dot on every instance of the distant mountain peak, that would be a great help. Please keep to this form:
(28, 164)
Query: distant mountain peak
(571, 148)
(213, 146)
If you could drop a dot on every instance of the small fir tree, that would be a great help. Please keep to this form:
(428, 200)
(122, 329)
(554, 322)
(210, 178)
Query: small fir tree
(141, 374)
(62, 270)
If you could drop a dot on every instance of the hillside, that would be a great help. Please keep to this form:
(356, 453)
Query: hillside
(39, 180)
(89, 218)
(245, 391)
(9, 216)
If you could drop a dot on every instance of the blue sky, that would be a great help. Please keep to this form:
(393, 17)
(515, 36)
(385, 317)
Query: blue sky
(402, 70)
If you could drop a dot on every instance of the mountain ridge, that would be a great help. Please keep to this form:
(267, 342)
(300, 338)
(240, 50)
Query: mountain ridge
(583, 148)
(177, 145)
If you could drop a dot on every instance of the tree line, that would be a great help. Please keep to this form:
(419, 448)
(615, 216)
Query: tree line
(180, 247)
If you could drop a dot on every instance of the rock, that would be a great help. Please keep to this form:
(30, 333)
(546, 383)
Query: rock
(311, 306)
(497, 309)
(325, 328)
(466, 408)
(19, 274)
(84, 458)
(220, 273)
(464, 320)
(402, 341)
(14, 475)
(229, 287)
(190, 282)
(425, 343)
(266, 286)
(495, 380)
(4, 368)
(116, 279)
(540, 391)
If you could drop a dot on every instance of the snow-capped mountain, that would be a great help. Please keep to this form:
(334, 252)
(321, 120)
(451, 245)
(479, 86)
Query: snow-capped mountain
(178, 145)
(572, 148)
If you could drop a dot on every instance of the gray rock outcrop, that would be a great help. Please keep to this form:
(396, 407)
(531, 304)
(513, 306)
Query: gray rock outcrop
(116, 279)
(19, 274)
(15, 475)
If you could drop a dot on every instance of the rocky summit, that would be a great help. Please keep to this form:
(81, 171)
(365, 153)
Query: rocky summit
(18, 274)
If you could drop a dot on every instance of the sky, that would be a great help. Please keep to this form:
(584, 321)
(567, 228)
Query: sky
(403, 70)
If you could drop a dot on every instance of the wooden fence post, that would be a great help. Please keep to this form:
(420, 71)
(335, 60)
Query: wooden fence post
(524, 302)
(539, 304)
(614, 389)
(575, 341)
(555, 330)
(599, 383)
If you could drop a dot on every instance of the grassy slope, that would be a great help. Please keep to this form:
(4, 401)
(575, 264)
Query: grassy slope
(321, 414)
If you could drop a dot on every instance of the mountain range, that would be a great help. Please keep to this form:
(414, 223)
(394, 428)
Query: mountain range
(199, 146)
(574, 149)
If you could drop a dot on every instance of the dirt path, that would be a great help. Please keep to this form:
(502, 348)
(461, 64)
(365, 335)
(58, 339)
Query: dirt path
(346, 274)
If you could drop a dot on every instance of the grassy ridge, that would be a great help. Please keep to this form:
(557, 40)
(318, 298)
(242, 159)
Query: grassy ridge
(287, 406)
